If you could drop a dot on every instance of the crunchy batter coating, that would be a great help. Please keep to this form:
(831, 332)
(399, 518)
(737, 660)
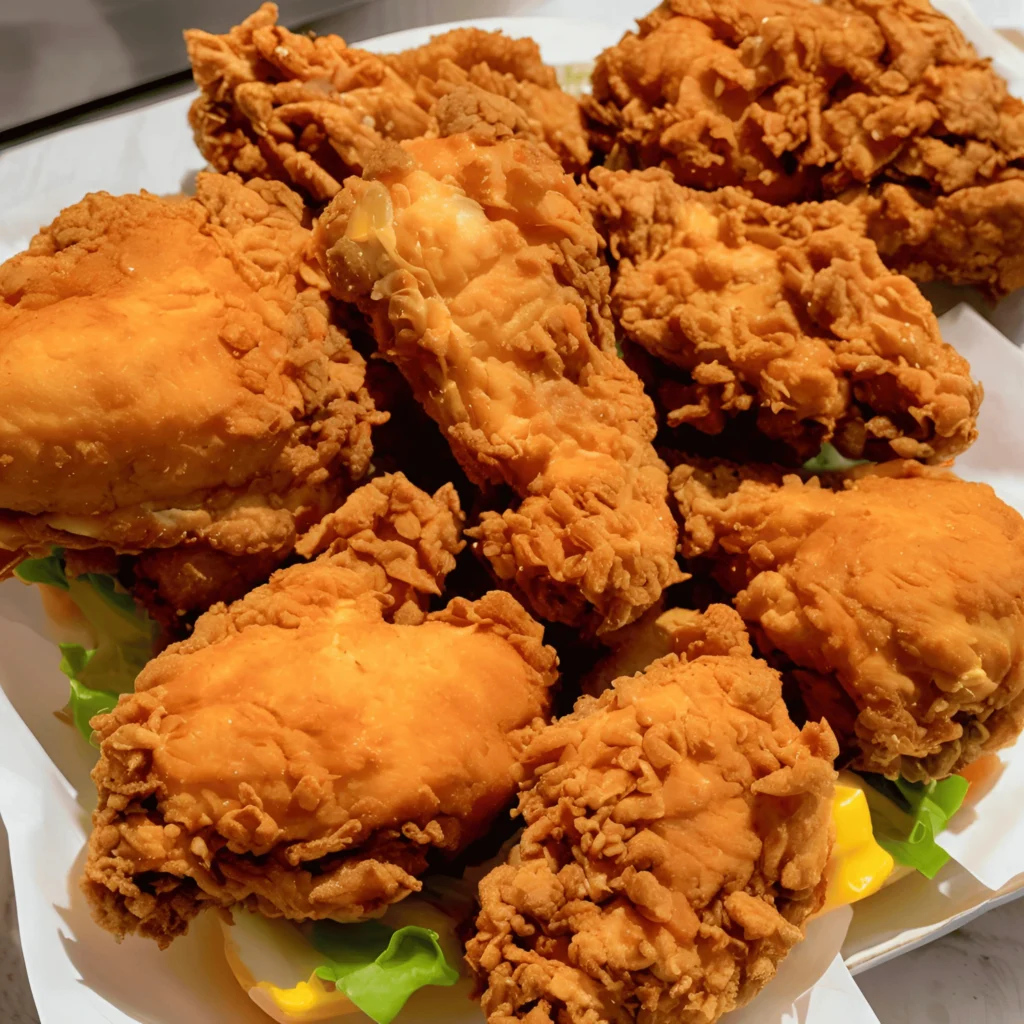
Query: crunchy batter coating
(310, 747)
(972, 236)
(305, 110)
(783, 312)
(794, 99)
(661, 631)
(490, 63)
(170, 374)
(311, 110)
(482, 277)
(677, 829)
(900, 600)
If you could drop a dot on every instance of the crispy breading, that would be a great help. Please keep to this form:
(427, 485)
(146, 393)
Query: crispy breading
(170, 373)
(676, 833)
(795, 99)
(310, 746)
(786, 313)
(972, 236)
(482, 277)
(306, 110)
(492, 64)
(900, 600)
(661, 631)
(310, 110)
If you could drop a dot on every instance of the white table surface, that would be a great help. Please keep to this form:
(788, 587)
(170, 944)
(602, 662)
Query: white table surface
(974, 975)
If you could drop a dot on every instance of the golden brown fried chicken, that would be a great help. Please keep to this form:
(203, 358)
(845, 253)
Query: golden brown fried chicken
(492, 64)
(311, 110)
(794, 99)
(661, 631)
(972, 236)
(482, 277)
(677, 830)
(900, 600)
(786, 313)
(307, 110)
(170, 375)
(309, 748)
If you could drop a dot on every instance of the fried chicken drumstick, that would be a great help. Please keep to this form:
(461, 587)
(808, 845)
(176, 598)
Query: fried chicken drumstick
(881, 101)
(899, 600)
(311, 110)
(174, 387)
(481, 274)
(308, 749)
(676, 833)
(785, 314)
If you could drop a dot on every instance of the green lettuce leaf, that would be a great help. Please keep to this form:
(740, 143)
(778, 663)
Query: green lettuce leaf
(124, 637)
(828, 460)
(379, 968)
(907, 817)
(48, 570)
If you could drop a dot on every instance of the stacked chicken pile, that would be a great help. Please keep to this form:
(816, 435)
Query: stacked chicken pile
(429, 300)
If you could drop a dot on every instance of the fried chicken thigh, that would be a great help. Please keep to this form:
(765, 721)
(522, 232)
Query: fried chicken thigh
(481, 274)
(676, 833)
(311, 110)
(783, 313)
(170, 375)
(309, 748)
(899, 600)
(793, 99)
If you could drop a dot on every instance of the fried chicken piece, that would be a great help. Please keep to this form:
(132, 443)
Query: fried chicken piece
(677, 830)
(794, 99)
(482, 277)
(307, 110)
(171, 377)
(490, 63)
(973, 236)
(786, 312)
(901, 597)
(311, 747)
(310, 110)
(661, 631)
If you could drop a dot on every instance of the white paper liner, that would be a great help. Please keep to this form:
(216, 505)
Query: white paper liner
(78, 974)
(814, 987)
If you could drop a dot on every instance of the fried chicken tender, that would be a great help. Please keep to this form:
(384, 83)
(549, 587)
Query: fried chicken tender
(311, 110)
(786, 313)
(492, 64)
(482, 277)
(677, 830)
(793, 99)
(170, 375)
(310, 748)
(899, 600)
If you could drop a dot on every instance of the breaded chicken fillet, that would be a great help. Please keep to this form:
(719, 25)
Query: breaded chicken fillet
(676, 833)
(783, 317)
(481, 274)
(171, 378)
(311, 747)
(899, 600)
